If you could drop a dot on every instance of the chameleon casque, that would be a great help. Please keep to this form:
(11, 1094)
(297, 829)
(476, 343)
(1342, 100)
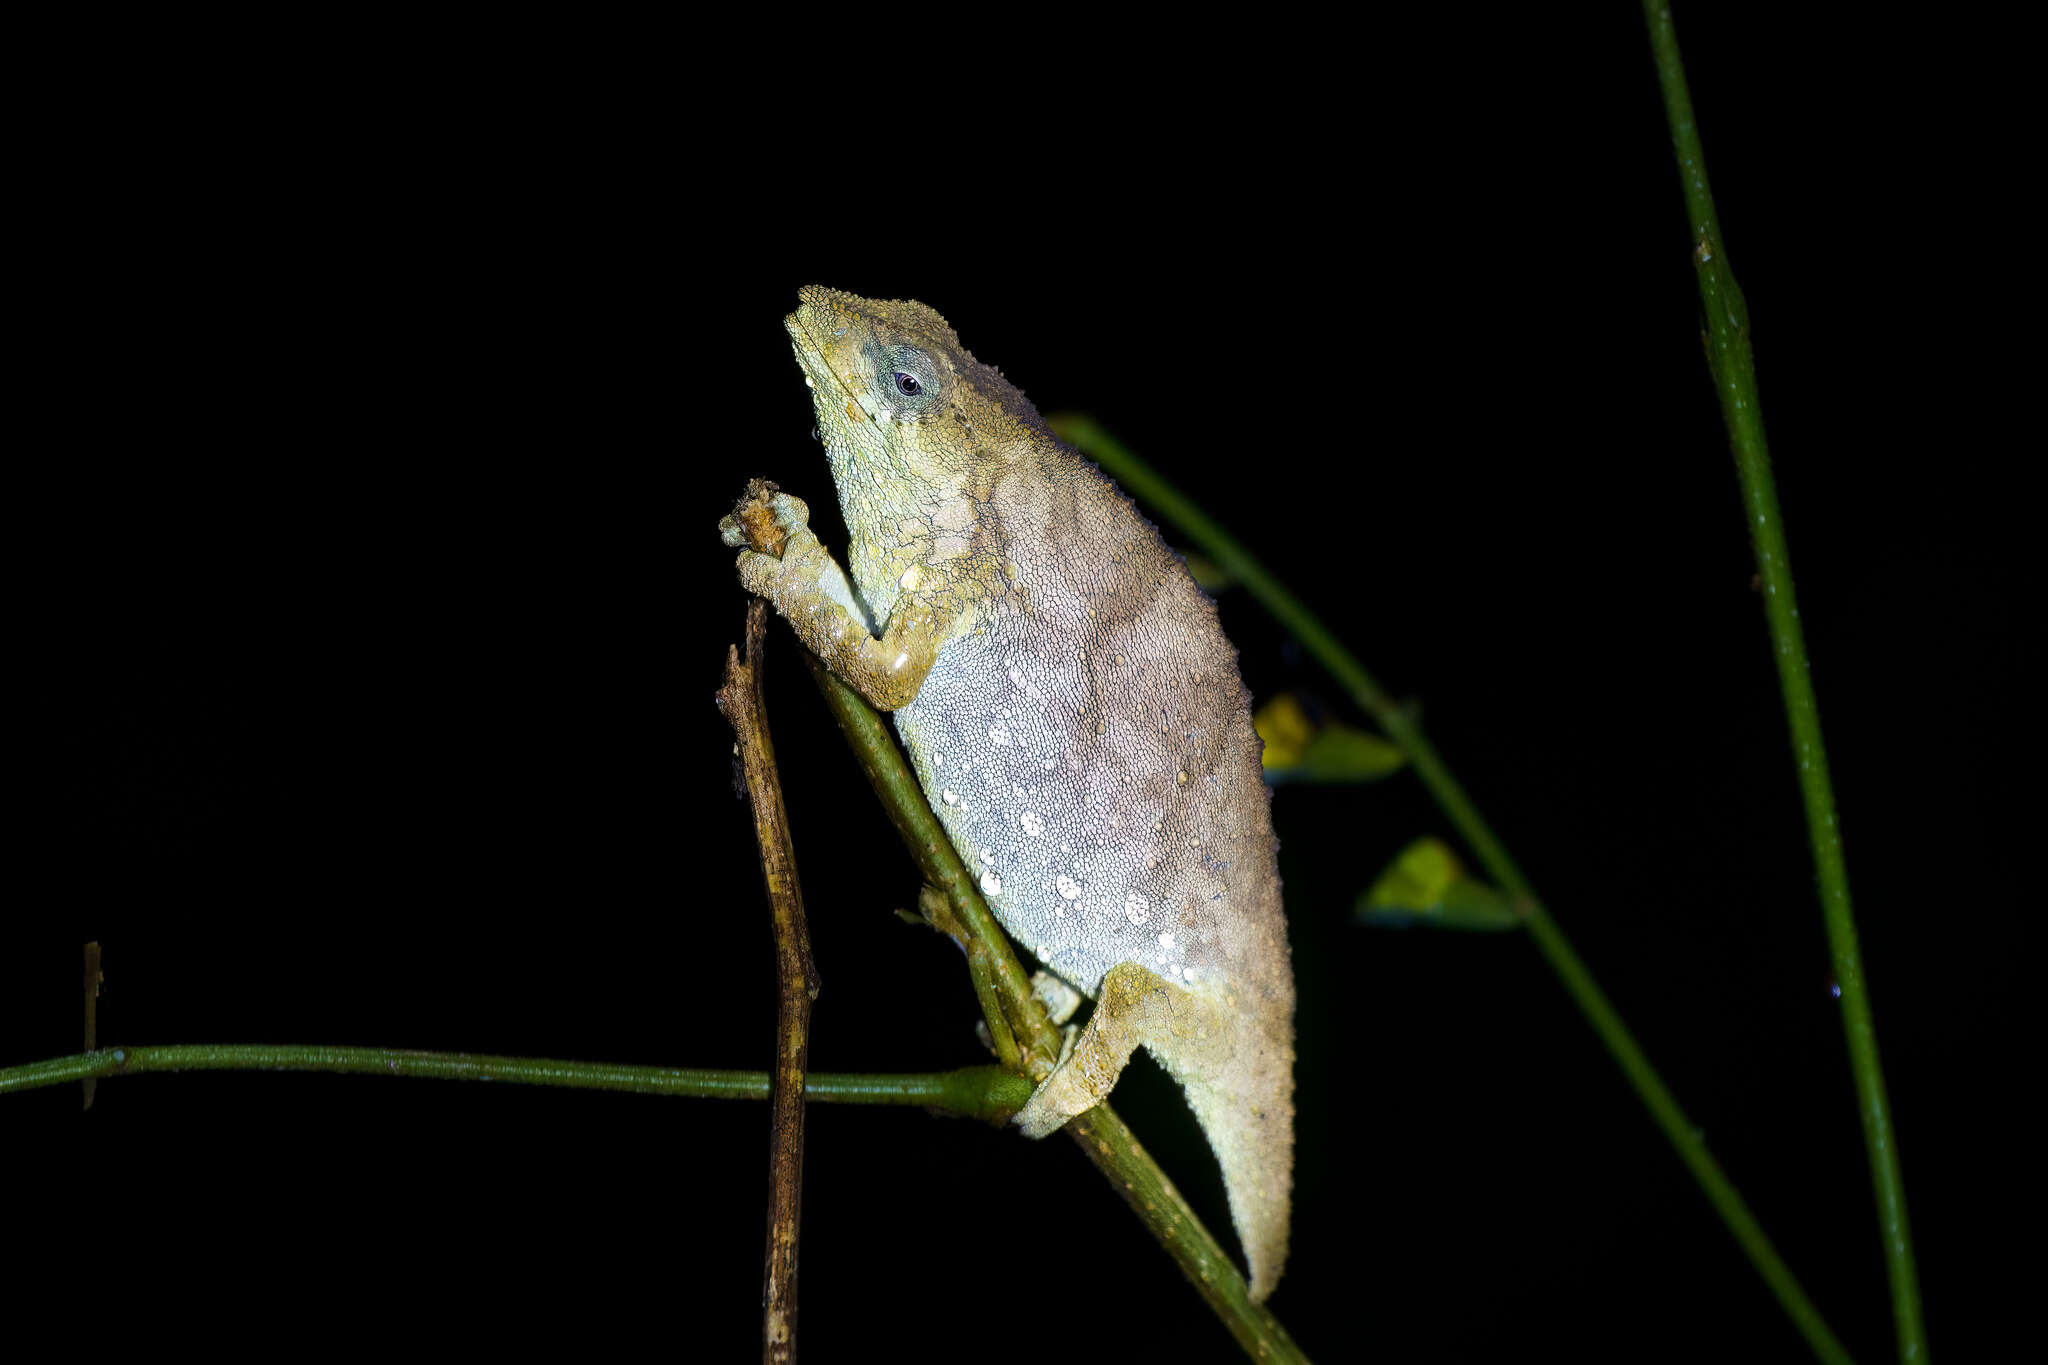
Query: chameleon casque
(1073, 712)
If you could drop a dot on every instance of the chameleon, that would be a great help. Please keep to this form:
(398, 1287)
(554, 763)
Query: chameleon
(1073, 712)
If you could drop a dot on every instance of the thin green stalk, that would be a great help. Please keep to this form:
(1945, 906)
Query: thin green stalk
(1102, 1136)
(998, 977)
(1734, 372)
(1400, 725)
(981, 1092)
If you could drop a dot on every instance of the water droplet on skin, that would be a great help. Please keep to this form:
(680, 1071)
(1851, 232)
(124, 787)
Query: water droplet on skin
(952, 797)
(991, 885)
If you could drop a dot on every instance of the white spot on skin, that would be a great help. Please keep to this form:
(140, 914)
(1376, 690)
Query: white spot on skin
(1137, 907)
(952, 798)
(1068, 887)
(998, 734)
(1034, 823)
(1166, 940)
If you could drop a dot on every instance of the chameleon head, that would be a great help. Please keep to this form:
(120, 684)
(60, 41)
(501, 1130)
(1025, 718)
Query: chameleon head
(897, 394)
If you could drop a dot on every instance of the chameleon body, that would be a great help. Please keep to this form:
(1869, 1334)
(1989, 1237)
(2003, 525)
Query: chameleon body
(1073, 712)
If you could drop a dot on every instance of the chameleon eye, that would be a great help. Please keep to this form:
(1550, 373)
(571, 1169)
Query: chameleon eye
(908, 379)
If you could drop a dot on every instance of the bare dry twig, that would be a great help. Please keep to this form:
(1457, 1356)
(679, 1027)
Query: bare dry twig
(797, 986)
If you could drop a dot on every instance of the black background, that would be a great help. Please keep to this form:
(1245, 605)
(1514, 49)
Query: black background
(374, 607)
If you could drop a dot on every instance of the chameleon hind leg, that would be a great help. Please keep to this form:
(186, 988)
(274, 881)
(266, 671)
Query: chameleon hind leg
(1238, 1080)
(1136, 1007)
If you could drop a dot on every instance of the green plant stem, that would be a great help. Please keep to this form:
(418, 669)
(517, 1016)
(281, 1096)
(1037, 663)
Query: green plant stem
(1101, 1134)
(1732, 365)
(981, 1092)
(1400, 726)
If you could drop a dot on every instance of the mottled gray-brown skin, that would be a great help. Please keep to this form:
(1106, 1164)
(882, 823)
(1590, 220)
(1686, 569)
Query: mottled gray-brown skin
(1074, 713)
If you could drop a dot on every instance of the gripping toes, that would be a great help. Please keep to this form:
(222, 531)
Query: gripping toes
(772, 531)
(1061, 1097)
(765, 519)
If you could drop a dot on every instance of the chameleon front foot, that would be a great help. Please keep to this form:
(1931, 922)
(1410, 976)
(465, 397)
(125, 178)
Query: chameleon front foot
(764, 519)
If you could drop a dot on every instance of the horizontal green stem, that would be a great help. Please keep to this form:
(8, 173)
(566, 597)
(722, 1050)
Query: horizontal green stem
(983, 1092)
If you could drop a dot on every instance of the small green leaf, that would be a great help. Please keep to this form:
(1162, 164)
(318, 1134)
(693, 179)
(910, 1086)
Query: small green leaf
(1298, 750)
(1425, 884)
(1209, 576)
(1285, 728)
(1339, 753)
